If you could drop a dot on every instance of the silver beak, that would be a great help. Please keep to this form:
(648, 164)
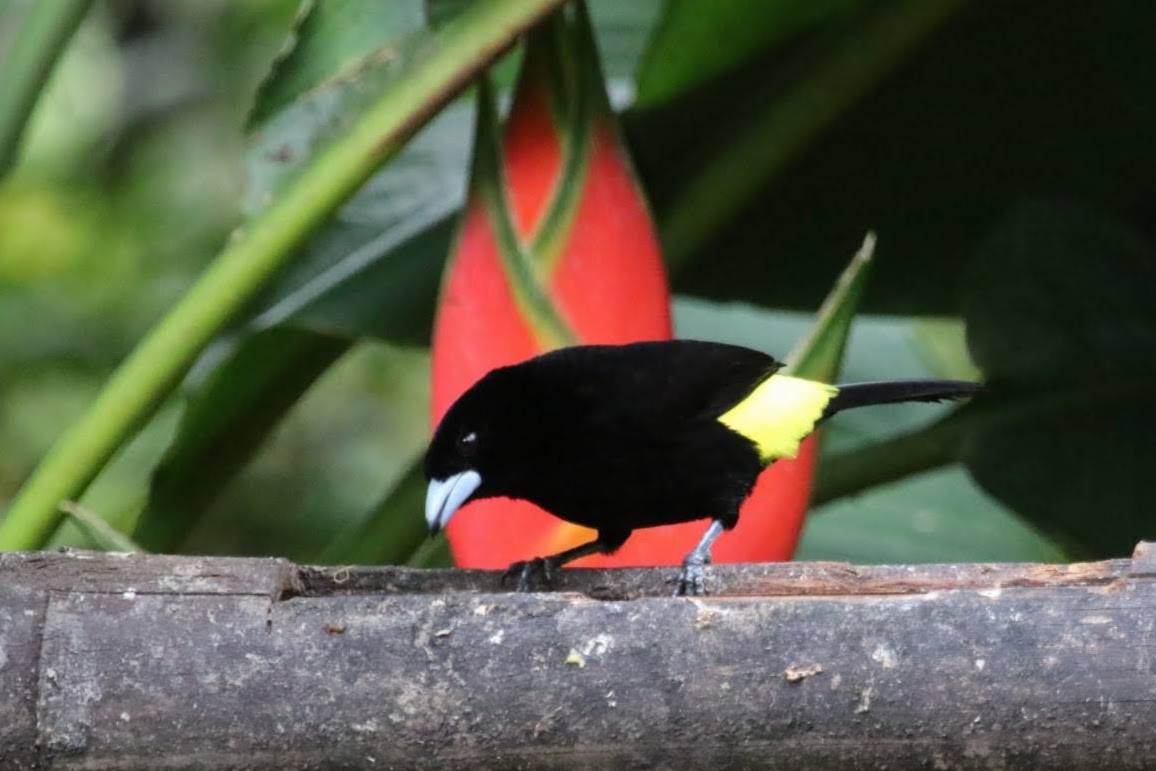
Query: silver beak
(445, 496)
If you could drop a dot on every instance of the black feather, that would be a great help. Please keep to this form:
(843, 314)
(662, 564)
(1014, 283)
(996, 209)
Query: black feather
(893, 391)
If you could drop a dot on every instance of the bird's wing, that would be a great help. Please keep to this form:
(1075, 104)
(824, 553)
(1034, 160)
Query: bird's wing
(643, 385)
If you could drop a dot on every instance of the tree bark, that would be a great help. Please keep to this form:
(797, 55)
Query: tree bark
(111, 661)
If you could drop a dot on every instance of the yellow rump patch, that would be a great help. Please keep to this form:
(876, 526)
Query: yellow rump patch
(779, 414)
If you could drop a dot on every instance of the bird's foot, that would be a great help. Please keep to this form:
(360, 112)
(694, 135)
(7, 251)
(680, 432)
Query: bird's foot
(692, 578)
(538, 573)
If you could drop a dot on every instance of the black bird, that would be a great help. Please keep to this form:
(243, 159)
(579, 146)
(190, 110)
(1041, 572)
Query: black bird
(620, 437)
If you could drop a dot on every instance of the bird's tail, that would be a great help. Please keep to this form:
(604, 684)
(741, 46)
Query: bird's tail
(891, 391)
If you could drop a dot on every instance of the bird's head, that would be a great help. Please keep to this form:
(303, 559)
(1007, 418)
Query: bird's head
(477, 447)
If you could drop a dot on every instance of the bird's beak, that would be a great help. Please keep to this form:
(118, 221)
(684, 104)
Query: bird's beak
(445, 496)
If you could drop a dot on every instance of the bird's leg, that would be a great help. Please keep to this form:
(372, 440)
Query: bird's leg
(692, 579)
(530, 571)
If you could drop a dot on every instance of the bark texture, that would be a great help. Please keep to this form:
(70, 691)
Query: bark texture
(146, 662)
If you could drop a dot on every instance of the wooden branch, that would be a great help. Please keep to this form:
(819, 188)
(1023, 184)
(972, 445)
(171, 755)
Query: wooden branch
(146, 662)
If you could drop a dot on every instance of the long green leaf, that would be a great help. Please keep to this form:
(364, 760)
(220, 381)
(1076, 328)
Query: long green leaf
(461, 49)
(227, 418)
(336, 41)
(392, 532)
(819, 355)
(33, 48)
(1061, 314)
(685, 53)
(1003, 101)
(791, 122)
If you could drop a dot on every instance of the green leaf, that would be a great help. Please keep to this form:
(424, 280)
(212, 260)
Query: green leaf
(762, 123)
(351, 436)
(1004, 100)
(1062, 318)
(332, 76)
(819, 355)
(624, 33)
(840, 197)
(841, 188)
(392, 533)
(1059, 296)
(336, 40)
(1061, 310)
(685, 51)
(388, 242)
(434, 553)
(939, 516)
(374, 268)
(228, 415)
(41, 32)
(361, 287)
(943, 341)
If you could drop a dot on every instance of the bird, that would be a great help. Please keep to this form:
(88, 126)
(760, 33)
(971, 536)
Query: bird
(622, 437)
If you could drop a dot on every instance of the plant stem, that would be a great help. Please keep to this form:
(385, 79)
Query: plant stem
(45, 29)
(954, 436)
(776, 137)
(887, 461)
(461, 49)
(101, 532)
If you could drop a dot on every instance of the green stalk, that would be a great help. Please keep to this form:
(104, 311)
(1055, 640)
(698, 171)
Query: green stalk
(458, 51)
(790, 123)
(34, 48)
(887, 461)
(104, 535)
(948, 439)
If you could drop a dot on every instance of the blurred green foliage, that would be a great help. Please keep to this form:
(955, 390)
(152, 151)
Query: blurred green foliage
(166, 123)
(128, 181)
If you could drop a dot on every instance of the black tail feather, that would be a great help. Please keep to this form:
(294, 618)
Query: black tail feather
(891, 391)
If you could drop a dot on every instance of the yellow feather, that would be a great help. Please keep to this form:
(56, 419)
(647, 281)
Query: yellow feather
(779, 414)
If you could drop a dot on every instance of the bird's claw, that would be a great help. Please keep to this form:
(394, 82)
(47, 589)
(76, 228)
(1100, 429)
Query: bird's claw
(532, 574)
(692, 578)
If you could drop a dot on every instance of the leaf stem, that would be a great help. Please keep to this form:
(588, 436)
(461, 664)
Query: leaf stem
(892, 459)
(45, 29)
(257, 251)
(99, 530)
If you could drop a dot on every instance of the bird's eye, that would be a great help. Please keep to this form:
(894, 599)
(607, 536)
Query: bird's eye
(468, 444)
